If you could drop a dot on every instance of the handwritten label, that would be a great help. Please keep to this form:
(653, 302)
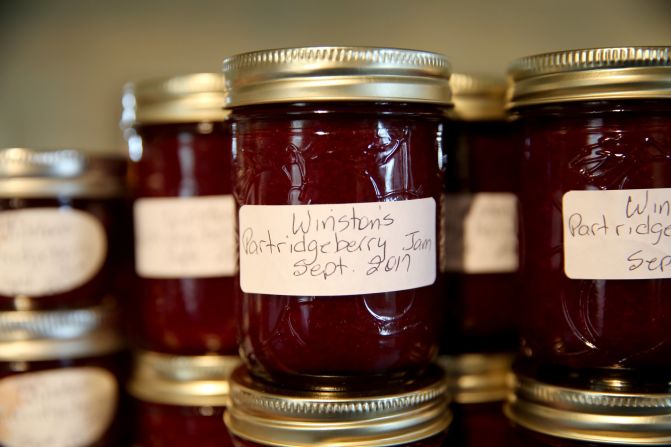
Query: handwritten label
(617, 234)
(480, 233)
(185, 237)
(70, 407)
(343, 249)
(44, 251)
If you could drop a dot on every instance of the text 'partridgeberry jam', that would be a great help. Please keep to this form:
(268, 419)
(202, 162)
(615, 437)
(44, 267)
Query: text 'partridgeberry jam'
(183, 214)
(337, 155)
(597, 180)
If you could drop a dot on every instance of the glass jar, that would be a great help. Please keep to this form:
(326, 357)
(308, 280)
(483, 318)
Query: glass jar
(479, 253)
(414, 414)
(595, 219)
(62, 227)
(550, 415)
(478, 385)
(179, 146)
(60, 373)
(337, 154)
(180, 400)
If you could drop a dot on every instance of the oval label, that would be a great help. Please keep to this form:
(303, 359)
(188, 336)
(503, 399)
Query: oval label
(45, 251)
(57, 408)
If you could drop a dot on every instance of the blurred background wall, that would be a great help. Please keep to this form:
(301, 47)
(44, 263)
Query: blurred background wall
(63, 62)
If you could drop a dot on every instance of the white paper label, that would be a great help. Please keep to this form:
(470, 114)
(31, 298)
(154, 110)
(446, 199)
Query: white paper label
(185, 237)
(57, 408)
(44, 251)
(617, 234)
(343, 249)
(480, 233)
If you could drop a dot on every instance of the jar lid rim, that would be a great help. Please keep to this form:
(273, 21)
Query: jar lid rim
(271, 416)
(184, 98)
(478, 97)
(336, 73)
(182, 380)
(29, 172)
(478, 378)
(639, 72)
(586, 415)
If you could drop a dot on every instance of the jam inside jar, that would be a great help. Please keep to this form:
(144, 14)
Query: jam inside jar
(347, 153)
(64, 369)
(338, 188)
(479, 257)
(605, 320)
(183, 215)
(63, 223)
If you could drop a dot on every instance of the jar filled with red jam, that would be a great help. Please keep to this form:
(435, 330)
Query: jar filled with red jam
(555, 416)
(337, 156)
(62, 227)
(414, 414)
(595, 215)
(60, 377)
(183, 213)
(478, 386)
(479, 252)
(180, 400)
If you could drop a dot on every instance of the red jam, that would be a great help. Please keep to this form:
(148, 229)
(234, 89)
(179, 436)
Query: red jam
(479, 425)
(520, 437)
(483, 157)
(162, 425)
(66, 217)
(617, 325)
(597, 142)
(336, 153)
(114, 434)
(181, 151)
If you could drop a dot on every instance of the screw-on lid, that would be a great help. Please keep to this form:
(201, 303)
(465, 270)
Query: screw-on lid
(182, 380)
(478, 97)
(591, 74)
(477, 378)
(313, 74)
(33, 173)
(614, 418)
(273, 416)
(27, 335)
(177, 99)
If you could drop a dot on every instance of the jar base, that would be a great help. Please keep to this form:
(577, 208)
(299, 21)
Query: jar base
(601, 379)
(334, 383)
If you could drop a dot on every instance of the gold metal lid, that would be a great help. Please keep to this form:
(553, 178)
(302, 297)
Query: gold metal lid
(273, 416)
(478, 97)
(614, 418)
(337, 73)
(591, 74)
(182, 380)
(176, 99)
(478, 378)
(27, 335)
(33, 173)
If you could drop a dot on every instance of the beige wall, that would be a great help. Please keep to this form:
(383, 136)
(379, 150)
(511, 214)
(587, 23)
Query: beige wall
(63, 62)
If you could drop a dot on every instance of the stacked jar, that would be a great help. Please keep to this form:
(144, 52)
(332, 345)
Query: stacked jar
(595, 213)
(479, 258)
(61, 355)
(184, 215)
(337, 161)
